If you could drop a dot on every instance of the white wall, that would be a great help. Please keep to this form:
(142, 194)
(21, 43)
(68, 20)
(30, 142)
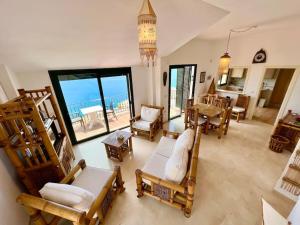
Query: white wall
(11, 213)
(283, 51)
(8, 82)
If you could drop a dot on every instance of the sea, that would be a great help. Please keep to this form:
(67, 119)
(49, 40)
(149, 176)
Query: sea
(83, 93)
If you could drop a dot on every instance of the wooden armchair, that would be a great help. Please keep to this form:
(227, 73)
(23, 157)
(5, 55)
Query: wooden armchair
(178, 195)
(109, 182)
(241, 107)
(149, 122)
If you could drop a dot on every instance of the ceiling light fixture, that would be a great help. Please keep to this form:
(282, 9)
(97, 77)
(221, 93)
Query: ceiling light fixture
(147, 33)
(225, 59)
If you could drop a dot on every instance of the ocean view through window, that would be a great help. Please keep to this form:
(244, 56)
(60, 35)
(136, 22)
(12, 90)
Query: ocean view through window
(94, 104)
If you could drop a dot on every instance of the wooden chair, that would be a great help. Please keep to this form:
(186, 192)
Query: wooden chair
(241, 107)
(77, 118)
(110, 182)
(221, 123)
(144, 127)
(210, 99)
(178, 195)
(189, 102)
(192, 118)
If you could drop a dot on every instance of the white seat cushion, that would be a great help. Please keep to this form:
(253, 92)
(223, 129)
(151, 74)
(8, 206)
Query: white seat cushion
(201, 120)
(215, 121)
(68, 195)
(165, 146)
(149, 114)
(155, 165)
(141, 125)
(92, 179)
(238, 109)
(176, 167)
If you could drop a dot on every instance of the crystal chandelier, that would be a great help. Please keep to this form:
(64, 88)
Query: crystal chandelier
(147, 33)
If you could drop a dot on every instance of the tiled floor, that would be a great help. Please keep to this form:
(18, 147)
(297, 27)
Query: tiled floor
(233, 174)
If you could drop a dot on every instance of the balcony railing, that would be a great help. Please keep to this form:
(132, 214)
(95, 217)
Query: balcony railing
(119, 104)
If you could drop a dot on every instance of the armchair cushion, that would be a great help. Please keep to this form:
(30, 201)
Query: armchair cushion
(176, 166)
(68, 195)
(149, 114)
(92, 179)
(237, 109)
(141, 125)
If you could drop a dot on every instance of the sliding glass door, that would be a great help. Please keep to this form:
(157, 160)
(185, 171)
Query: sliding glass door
(181, 87)
(94, 102)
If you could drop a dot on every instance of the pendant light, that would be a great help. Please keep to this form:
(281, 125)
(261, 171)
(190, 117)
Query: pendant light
(225, 59)
(147, 33)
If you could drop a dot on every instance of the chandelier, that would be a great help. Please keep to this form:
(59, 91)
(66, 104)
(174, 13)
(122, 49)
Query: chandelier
(147, 33)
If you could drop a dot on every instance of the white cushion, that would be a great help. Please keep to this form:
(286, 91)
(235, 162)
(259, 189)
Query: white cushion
(92, 179)
(201, 121)
(155, 165)
(176, 166)
(215, 121)
(187, 138)
(238, 109)
(68, 195)
(142, 125)
(149, 114)
(165, 146)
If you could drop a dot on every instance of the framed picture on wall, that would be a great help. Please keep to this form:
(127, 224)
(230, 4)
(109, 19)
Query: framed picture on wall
(202, 77)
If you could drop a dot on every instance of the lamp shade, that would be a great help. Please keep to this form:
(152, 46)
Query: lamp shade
(224, 63)
(147, 32)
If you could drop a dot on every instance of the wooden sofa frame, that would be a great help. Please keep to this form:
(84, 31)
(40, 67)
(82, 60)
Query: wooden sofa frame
(35, 206)
(181, 195)
(154, 126)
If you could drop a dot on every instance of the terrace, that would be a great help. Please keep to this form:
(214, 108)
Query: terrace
(88, 117)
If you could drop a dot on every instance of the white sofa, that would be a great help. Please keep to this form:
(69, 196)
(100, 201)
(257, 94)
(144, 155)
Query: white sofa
(169, 175)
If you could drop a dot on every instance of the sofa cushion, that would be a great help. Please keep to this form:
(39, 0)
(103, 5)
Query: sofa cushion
(68, 195)
(186, 138)
(238, 109)
(165, 146)
(155, 165)
(92, 179)
(176, 166)
(149, 114)
(141, 125)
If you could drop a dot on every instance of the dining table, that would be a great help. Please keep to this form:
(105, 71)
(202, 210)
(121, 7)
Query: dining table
(92, 112)
(209, 111)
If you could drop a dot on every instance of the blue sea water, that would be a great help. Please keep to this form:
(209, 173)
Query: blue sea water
(85, 92)
(173, 78)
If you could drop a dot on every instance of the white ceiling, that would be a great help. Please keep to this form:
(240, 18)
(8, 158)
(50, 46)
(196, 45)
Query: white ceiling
(57, 34)
(61, 34)
(264, 13)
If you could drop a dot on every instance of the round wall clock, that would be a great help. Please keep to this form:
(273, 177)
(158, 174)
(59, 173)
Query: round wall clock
(260, 57)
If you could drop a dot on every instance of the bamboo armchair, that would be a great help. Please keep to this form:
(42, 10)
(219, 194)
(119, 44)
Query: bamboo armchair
(241, 107)
(38, 207)
(155, 126)
(181, 195)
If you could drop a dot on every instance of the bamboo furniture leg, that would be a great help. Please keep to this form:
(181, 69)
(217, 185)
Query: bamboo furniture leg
(119, 180)
(139, 183)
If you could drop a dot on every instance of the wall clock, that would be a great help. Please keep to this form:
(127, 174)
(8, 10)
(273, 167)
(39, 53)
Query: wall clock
(260, 57)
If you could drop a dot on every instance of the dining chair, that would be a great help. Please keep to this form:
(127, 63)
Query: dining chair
(221, 123)
(241, 107)
(189, 102)
(77, 118)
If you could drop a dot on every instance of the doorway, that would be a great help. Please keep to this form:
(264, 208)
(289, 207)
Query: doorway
(94, 102)
(274, 87)
(181, 87)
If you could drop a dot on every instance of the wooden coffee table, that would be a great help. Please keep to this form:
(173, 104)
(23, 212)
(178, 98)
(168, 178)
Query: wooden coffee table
(114, 147)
